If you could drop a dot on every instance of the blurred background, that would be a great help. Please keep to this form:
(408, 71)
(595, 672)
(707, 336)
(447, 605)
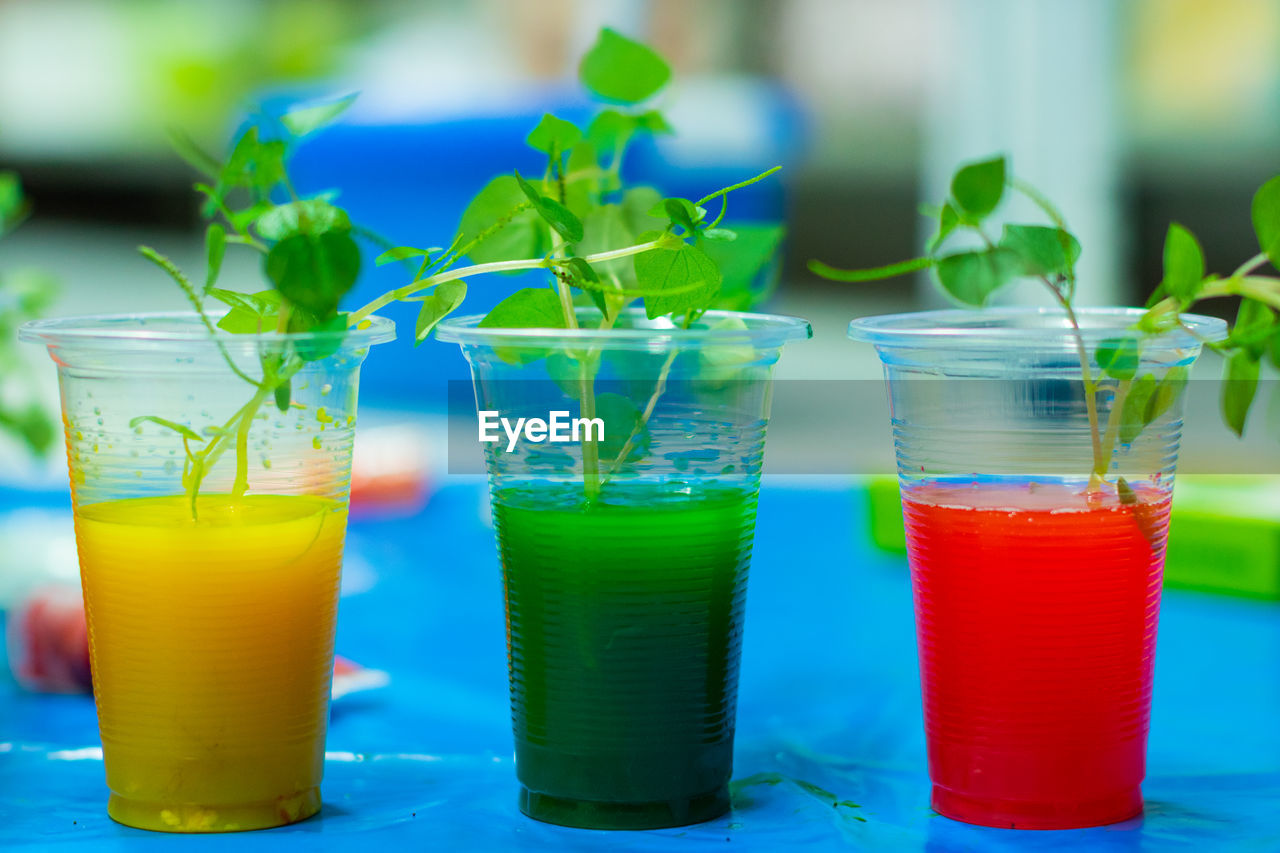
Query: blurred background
(1128, 113)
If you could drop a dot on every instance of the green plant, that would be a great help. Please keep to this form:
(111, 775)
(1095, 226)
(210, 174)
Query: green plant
(24, 295)
(1047, 254)
(310, 256)
(601, 241)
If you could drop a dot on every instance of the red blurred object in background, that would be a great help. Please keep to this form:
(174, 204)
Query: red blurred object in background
(49, 648)
(390, 472)
(49, 643)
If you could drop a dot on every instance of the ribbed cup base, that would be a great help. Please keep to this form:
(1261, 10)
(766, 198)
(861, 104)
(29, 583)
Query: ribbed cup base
(230, 817)
(1016, 814)
(597, 814)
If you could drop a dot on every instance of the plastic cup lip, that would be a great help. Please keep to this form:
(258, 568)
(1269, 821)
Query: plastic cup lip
(182, 330)
(1024, 328)
(761, 330)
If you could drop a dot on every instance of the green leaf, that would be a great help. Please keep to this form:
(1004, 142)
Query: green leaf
(1125, 492)
(611, 127)
(240, 321)
(234, 298)
(309, 216)
(500, 225)
(253, 163)
(583, 180)
(971, 277)
(638, 204)
(623, 421)
(1134, 414)
(871, 273)
(10, 194)
(215, 241)
(582, 270)
(246, 321)
(1118, 357)
(688, 277)
(682, 212)
(400, 253)
(314, 271)
(13, 204)
(619, 69)
(284, 394)
(35, 428)
(442, 301)
(333, 332)
(1266, 219)
(742, 263)
(721, 235)
(1042, 250)
(1167, 392)
(606, 228)
(564, 369)
(527, 308)
(250, 313)
(1183, 264)
(978, 187)
(185, 432)
(305, 120)
(559, 217)
(1252, 330)
(191, 152)
(1240, 383)
(948, 219)
(32, 291)
(553, 135)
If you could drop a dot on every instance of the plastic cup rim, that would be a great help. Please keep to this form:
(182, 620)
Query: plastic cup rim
(762, 329)
(972, 328)
(125, 329)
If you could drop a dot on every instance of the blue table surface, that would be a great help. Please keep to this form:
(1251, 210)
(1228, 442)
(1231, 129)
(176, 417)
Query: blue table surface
(829, 712)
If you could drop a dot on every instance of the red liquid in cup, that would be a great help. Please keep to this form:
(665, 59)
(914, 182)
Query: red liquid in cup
(1036, 616)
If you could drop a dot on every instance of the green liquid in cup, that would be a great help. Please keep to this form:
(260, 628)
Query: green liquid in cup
(625, 631)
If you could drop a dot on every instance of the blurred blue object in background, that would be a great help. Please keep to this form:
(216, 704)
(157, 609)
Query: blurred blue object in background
(409, 181)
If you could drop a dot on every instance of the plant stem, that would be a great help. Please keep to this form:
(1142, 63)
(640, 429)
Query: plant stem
(412, 287)
(1250, 265)
(659, 387)
(1103, 461)
(1086, 374)
(591, 484)
(189, 290)
(1100, 463)
(237, 425)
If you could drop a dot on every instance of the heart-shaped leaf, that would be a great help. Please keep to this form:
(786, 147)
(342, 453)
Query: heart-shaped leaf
(978, 187)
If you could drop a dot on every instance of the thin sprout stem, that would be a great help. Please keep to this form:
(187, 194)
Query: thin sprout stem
(748, 182)
(1113, 429)
(187, 288)
(412, 287)
(1090, 387)
(1250, 265)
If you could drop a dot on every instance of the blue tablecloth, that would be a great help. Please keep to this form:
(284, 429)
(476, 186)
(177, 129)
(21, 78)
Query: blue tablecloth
(829, 713)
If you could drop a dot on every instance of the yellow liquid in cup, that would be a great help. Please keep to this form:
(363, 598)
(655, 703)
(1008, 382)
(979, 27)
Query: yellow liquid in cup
(212, 652)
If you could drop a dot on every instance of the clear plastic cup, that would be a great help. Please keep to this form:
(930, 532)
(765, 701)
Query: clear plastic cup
(211, 624)
(1036, 596)
(625, 560)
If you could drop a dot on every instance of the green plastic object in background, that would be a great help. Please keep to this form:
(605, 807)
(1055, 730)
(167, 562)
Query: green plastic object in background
(884, 507)
(1224, 535)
